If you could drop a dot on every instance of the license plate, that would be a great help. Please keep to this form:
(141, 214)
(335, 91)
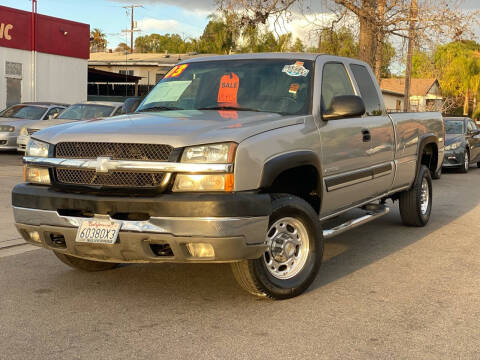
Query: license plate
(98, 232)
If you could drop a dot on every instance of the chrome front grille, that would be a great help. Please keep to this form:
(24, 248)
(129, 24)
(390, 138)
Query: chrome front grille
(122, 179)
(31, 131)
(116, 151)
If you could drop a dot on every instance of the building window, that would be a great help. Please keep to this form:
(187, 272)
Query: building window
(126, 72)
(398, 106)
(13, 73)
(13, 69)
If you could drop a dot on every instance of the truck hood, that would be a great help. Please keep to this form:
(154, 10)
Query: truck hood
(175, 128)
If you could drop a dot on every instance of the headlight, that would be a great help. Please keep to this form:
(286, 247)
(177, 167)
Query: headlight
(36, 175)
(37, 148)
(7, 128)
(211, 182)
(24, 131)
(453, 146)
(210, 154)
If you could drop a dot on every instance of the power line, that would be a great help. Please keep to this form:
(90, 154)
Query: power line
(133, 23)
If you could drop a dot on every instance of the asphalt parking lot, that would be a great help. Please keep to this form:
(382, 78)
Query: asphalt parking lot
(384, 291)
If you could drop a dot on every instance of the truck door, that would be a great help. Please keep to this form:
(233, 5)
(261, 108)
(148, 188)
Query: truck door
(473, 138)
(346, 146)
(380, 126)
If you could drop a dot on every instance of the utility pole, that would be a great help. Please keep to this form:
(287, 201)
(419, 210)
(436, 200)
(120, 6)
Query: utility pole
(132, 23)
(411, 44)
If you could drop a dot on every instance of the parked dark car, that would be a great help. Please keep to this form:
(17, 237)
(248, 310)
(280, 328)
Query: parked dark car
(462, 143)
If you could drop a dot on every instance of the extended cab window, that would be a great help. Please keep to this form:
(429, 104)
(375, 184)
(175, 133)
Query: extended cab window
(277, 86)
(335, 82)
(367, 90)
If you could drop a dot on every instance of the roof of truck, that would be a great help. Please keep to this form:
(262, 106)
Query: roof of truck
(247, 56)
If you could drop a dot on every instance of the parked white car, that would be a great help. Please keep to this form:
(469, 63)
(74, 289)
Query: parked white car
(82, 111)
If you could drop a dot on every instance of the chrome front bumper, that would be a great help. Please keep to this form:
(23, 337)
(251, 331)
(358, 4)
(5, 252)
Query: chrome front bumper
(232, 238)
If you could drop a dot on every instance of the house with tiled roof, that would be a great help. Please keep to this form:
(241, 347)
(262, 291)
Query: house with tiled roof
(425, 94)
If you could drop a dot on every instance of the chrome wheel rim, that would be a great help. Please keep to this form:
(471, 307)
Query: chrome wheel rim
(424, 197)
(467, 162)
(287, 248)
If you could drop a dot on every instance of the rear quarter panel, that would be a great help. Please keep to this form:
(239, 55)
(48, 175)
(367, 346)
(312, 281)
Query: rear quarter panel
(411, 129)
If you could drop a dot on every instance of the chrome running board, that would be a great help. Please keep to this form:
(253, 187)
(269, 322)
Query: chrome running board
(372, 214)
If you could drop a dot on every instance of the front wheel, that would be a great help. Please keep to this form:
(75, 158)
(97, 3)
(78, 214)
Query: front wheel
(293, 256)
(466, 162)
(416, 203)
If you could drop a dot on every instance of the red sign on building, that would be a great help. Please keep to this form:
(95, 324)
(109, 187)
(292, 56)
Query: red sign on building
(52, 35)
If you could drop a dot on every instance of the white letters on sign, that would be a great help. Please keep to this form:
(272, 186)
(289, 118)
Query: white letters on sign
(4, 31)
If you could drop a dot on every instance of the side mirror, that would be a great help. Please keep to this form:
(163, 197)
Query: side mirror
(345, 106)
(131, 104)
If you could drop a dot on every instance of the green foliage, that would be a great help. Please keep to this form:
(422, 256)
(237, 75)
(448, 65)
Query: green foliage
(423, 65)
(155, 43)
(341, 42)
(297, 46)
(98, 40)
(388, 56)
(219, 37)
(457, 67)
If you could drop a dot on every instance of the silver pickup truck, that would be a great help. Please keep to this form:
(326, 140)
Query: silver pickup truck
(239, 159)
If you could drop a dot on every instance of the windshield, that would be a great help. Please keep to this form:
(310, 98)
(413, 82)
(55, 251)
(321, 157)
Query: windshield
(23, 112)
(454, 127)
(279, 86)
(86, 112)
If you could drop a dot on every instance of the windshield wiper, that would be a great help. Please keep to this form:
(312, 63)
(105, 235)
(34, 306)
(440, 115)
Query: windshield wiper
(228, 108)
(160, 108)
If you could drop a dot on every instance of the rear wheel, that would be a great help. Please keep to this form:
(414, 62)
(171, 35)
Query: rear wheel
(478, 164)
(293, 255)
(466, 162)
(83, 264)
(416, 203)
(437, 174)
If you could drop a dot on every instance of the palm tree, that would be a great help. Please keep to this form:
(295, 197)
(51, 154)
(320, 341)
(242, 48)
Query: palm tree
(98, 41)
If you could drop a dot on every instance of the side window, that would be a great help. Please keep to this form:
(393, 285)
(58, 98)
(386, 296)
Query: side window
(119, 111)
(470, 125)
(368, 90)
(52, 112)
(335, 82)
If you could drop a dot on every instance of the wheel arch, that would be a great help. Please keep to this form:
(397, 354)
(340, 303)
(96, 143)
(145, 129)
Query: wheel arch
(286, 172)
(428, 153)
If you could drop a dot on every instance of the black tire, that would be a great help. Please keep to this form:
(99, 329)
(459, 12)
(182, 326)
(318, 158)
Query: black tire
(478, 164)
(83, 264)
(411, 201)
(464, 168)
(257, 279)
(436, 175)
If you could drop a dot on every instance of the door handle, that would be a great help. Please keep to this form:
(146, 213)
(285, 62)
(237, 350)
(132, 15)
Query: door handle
(366, 135)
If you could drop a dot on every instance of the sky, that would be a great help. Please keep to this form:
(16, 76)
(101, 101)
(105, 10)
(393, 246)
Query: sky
(185, 17)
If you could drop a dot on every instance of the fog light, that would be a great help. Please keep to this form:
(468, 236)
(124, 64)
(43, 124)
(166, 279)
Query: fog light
(34, 236)
(36, 175)
(200, 250)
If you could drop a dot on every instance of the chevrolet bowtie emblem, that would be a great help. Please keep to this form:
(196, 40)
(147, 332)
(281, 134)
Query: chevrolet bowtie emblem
(104, 165)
